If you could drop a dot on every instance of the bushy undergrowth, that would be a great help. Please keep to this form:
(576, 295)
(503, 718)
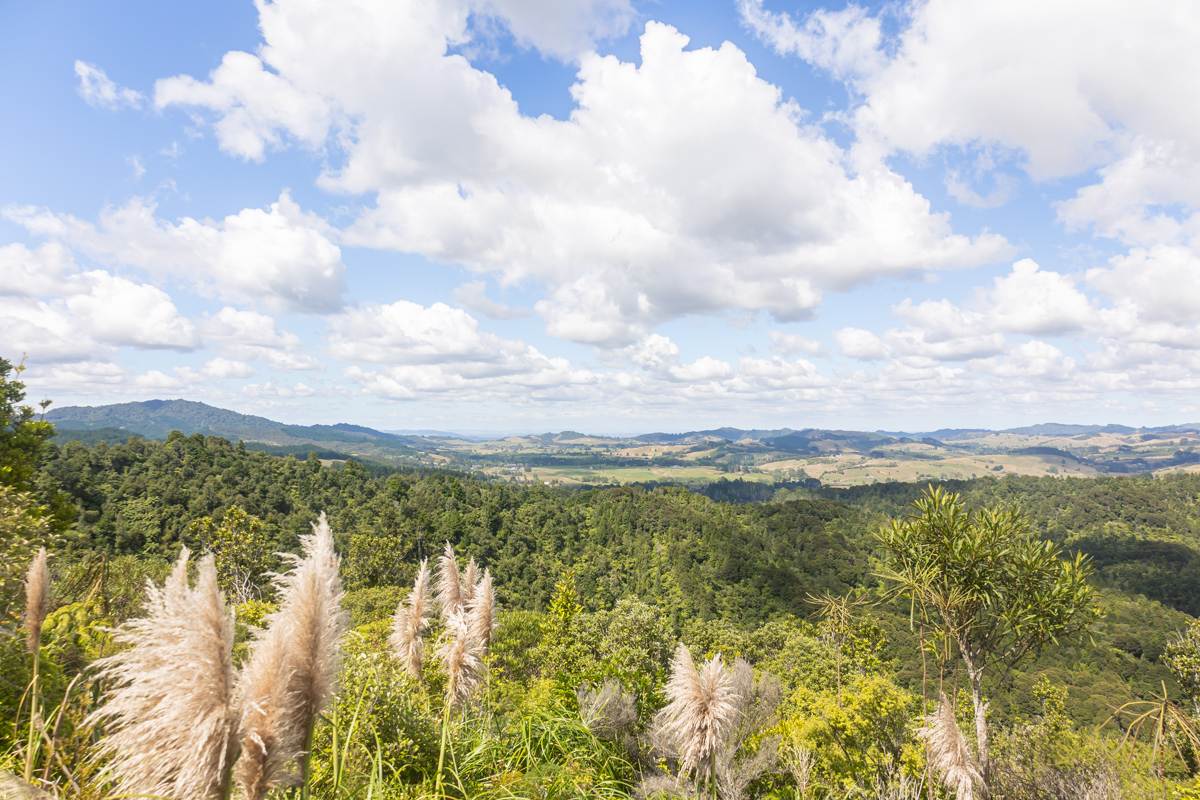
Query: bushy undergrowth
(843, 728)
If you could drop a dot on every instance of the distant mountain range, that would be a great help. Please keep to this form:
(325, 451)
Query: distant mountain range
(155, 419)
(852, 456)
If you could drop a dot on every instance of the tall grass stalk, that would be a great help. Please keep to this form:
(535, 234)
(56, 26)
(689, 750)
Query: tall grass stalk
(701, 711)
(293, 667)
(468, 605)
(482, 614)
(461, 656)
(441, 765)
(407, 638)
(949, 755)
(37, 605)
(170, 711)
(449, 584)
(469, 581)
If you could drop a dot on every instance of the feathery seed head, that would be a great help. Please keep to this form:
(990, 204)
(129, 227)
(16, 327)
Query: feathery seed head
(949, 754)
(701, 711)
(293, 667)
(461, 653)
(482, 613)
(607, 710)
(469, 582)
(37, 599)
(449, 587)
(169, 714)
(267, 751)
(409, 624)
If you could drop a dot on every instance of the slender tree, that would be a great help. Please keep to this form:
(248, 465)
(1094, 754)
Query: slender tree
(23, 435)
(994, 591)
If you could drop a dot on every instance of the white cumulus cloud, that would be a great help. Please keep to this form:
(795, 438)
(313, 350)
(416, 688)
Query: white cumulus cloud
(682, 185)
(279, 255)
(98, 90)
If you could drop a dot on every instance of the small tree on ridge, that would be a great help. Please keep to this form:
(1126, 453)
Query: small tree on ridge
(995, 592)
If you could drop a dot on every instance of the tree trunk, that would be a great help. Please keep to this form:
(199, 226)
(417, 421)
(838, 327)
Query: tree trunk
(981, 729)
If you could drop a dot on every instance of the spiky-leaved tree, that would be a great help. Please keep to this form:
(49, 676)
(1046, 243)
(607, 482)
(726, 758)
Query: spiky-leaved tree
(993, 591)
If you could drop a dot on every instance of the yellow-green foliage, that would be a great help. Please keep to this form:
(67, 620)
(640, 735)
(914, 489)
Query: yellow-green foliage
(1183, 657)
(512, 658)
(1048, 756)
(381, 719)
(864, 734)
(374, 603)
(243, 547)
(249, 616)
(78, 633)
(24, 527)
(541, 750)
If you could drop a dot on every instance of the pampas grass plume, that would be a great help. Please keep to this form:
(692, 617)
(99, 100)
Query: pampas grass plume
(482, 613)
(449, 585)
(461, 655)
(409, 623)
(293, 667)
(949, 754)
(169, 713)
(37, 599)
(470, 581)
(267, 751)
(701, 710)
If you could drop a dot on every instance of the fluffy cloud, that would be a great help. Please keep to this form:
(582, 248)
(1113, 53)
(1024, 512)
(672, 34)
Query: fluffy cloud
(221, 368)
(82, 314)
(860, 343)
(1027, 300)
(1032, 359)
(43, 331)
(845, 42)
(412, 333)
(98, 90)
(794, 344)
(279, 255)
(254, 336)
(1163, 281)
(1031, 300)
(254, 105)
(681, 185)
(77, 377)
(436, 349)
(1150, 195)
(277, 391)
(563, 29)
(32, 272)
(120, 312)
(665, 380)
(1006, 81)
(1066, 102)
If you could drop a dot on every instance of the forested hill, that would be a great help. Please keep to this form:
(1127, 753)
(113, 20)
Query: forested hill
(156, 419)
(691, 558)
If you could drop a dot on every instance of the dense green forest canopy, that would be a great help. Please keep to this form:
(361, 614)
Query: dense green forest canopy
(690, 557)
(600, 583)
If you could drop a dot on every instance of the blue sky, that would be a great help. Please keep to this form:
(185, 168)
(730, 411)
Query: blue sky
(611, 216)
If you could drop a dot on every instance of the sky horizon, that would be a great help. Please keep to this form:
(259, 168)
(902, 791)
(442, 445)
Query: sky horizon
(608, 216)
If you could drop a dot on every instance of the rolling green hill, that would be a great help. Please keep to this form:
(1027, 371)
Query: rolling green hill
(834, 457)
(155, 419)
